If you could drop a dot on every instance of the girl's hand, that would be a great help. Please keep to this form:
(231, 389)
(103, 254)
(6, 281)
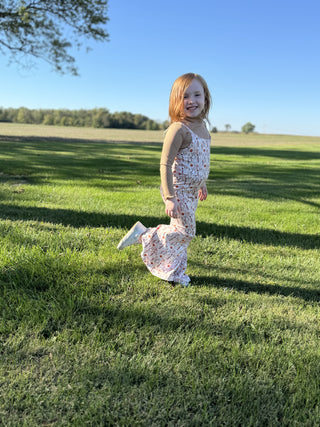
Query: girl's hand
(172, 208)
(203, 193)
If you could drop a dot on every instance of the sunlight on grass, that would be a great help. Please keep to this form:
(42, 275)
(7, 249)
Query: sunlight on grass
(88, 336)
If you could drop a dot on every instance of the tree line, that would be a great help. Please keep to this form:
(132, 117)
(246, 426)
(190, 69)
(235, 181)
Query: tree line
(97, 118)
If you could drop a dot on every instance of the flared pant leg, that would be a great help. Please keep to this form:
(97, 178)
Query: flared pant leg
(165, 246)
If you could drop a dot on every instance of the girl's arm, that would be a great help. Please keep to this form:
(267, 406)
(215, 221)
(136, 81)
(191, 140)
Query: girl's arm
(171, 145)
(174, 140)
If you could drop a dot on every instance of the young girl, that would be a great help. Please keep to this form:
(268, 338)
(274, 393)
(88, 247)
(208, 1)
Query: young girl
(184, 168)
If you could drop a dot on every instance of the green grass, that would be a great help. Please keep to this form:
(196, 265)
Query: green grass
(89, 337)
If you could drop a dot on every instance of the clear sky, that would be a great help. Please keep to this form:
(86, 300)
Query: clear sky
(261, 59)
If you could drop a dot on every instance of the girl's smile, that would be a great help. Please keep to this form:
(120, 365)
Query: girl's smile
(194, 99)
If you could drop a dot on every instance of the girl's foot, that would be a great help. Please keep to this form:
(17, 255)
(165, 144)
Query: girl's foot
(133, 236)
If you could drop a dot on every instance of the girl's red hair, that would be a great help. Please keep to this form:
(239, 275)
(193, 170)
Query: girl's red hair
(176, 109)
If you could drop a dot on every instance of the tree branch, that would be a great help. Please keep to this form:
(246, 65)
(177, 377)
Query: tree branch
(36, 28)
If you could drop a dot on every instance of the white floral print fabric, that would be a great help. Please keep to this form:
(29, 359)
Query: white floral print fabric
(165, 246)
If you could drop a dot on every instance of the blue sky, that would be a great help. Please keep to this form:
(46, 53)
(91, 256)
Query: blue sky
(260, 58)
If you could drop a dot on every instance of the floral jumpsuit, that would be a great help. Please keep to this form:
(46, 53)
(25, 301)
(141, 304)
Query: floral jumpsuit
(165, 247)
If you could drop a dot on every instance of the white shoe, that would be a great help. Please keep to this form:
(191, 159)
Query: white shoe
(133, 236)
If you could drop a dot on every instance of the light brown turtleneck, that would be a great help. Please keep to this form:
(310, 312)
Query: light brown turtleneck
(177, 138)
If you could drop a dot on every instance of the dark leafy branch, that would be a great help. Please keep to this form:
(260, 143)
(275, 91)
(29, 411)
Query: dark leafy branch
(49, 29)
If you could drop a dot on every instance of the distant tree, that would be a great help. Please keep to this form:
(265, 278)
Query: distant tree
(24, 115)
(37, 116)
(139, 120)
(66, 121)
(165, 125)
(48, 119)
(152, 125)
(248, 127)
(228, 127)
(58, 116)
(214, 129)
(10, 115)
(49, 29)
(100, 118)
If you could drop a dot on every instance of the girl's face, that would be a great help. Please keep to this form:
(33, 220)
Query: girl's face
(194, 99)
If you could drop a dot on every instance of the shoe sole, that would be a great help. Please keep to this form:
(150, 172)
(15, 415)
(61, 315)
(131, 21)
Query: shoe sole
(132, 237)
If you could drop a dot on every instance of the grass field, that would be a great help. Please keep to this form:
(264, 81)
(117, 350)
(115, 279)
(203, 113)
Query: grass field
(89, 337)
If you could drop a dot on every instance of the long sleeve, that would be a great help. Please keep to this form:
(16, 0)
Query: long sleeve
(175, 139)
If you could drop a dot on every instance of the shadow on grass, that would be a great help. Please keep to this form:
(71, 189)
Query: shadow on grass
(292, 187)
(40, 158)
(291, 175)
(77, 219)
(96, 163)
(71, 141)
(113, 352)
(123, 164)
(259, 235)
(259, 288)
(56, 303)
(287, 154)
